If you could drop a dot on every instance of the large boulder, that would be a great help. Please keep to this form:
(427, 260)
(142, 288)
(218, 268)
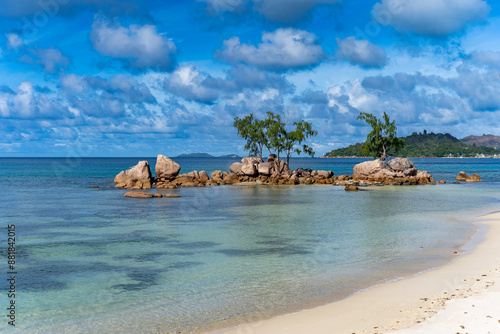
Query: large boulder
(400, 164)
(265, 168)
(166, 168)
(391, 172)
(325, 173)
(368, 168)
(235, 167)
(217, 176)
(249, 166)
(249, 169)
(136, 177)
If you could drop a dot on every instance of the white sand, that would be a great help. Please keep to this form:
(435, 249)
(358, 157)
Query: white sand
(465, 293)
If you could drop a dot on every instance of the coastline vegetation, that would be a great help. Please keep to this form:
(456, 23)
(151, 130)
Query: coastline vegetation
(432, 145)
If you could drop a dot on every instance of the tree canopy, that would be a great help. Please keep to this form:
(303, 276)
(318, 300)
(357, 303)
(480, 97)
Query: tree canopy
(274, 134)
(383, 136)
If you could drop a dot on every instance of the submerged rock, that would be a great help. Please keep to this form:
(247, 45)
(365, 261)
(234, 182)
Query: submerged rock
(171, 195)
(138, 194)
(351, 187)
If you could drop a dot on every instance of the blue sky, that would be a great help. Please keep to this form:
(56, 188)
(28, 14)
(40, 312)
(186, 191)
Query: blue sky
(139, 78)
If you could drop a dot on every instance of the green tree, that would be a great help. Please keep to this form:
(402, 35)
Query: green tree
(254, 131)
(286, 141)
(273, 134)
(383, 136)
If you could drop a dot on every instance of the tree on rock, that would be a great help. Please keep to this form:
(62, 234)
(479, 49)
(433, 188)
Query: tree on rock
(254, 131)
(383, 136)
(274, 134)
(286, 141)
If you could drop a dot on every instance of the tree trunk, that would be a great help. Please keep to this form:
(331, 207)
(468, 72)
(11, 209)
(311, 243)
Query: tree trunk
(383, 153)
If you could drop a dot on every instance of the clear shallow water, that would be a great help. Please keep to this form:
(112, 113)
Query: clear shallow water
(92, 261)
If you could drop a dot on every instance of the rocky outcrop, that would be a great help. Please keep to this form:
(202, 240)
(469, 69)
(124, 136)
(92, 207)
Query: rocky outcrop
(166, 168)
(399, 171)
(474, 178)
(136, 177)
(138, 194)
(462, 176)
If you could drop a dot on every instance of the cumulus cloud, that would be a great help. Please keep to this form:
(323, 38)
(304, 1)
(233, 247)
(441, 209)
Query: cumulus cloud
(486, 58)
(139, 47)
(97, 97)
(280, 50)
(51, 59)
(361, 52)
(26, 103)
(191, 84)
(438, 18)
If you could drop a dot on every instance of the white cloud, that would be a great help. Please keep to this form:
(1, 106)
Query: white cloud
(190, 84)
(430, 17)
(279, 50)
(51, 59)
(25, 103)
(361, 52)
(14, 41)
(140, 47)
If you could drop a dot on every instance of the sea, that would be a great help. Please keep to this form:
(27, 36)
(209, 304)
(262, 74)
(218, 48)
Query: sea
(88, 260)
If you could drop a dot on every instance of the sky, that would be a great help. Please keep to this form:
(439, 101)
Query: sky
(106, 78)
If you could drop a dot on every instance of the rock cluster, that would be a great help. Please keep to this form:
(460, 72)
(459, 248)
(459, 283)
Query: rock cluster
(136, 177)
(397, 171)
(275, 171)
(250, 169)
(462, 176)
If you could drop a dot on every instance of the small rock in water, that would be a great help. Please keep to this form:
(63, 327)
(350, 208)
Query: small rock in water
(157, 195)
(138, 194)
(351, 187)
(171, 195)
(95, 187)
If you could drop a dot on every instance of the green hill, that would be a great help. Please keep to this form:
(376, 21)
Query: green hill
(425, 145)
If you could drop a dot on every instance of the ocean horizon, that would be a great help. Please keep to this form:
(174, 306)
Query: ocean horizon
(89, 260)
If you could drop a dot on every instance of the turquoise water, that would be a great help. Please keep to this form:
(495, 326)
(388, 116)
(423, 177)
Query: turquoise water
(91, 261)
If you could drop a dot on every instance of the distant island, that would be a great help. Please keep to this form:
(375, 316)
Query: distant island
(434, 145)
(484, 140)
(206, 155)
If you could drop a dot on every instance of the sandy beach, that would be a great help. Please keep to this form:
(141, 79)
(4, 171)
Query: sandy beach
(460, 297)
